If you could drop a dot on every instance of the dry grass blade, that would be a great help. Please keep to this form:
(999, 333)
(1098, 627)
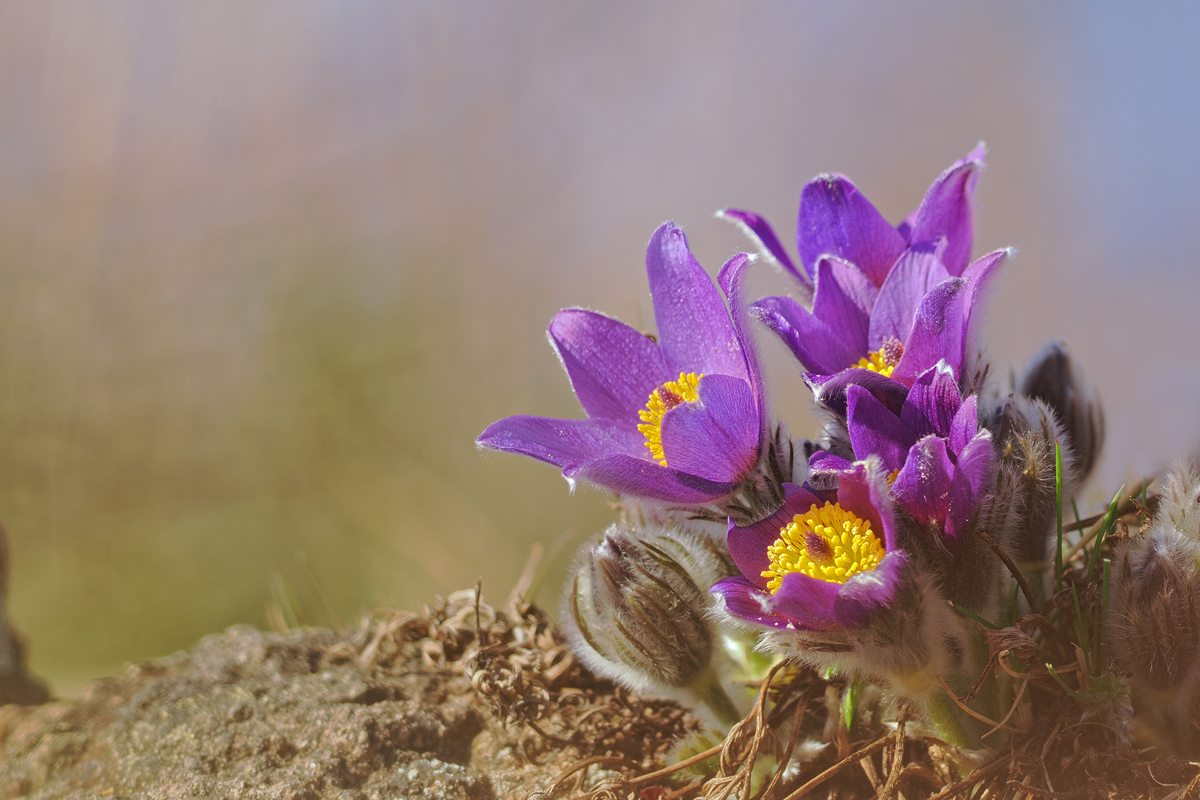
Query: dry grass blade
(853, 758)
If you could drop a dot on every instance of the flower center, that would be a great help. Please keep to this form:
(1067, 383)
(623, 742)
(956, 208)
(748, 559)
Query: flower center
(662, 400)
(885, 359)
(829, 543)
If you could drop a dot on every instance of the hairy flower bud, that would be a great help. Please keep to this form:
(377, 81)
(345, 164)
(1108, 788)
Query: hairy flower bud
(1055, 379)
(636, 609)
(1179, 502)
(1024, 506)
(1154, 624)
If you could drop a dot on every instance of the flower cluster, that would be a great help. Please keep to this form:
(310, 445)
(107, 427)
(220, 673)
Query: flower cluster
(850, 552)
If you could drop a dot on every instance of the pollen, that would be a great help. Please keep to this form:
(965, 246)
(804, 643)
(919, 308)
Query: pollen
(662, 400)
(830, 543)
(885, 359)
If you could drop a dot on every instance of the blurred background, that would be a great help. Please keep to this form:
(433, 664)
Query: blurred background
(267, 270)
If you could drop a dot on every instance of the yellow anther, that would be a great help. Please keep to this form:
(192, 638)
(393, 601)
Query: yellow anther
(829, 543)
(662, 400)
(885, 359)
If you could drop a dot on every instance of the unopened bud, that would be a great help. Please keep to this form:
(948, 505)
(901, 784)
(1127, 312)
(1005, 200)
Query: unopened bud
(637, 606)
(1179, 501)
(1054, 378)
(1154, 622)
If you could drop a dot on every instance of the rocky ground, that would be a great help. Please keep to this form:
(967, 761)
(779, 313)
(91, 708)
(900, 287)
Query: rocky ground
(407, 705)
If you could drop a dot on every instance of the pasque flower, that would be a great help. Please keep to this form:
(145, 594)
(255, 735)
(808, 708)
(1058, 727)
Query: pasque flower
(678, 419)
(940, 460)
(822, 562)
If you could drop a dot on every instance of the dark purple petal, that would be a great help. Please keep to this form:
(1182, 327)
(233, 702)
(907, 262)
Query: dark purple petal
(817, 346)
(836, 219)
(717, 438)
(748, 546)
(694, 329)
(947, 211)
(868, 593)
(823, 461)
(830, 390)
(939, 331)
(874, 430)
(864, 491)
(806, 600)
(612, 367)
(761, 232)
(565, 443)
(964, 426)
(914, 275)
(732, 281)
(745, 601)
(923, 486)
(641, 478)
(843, 301)
(975, 472)
(932, 402)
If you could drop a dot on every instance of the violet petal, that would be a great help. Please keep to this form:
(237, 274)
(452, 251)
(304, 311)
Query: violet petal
(717, 438)
(843, 300)
(745, 601)
(694, 329)
(868, 593)
(865, 492)
(836, 219)
(923, 486)
(807, 600)
(565, 443)
(639, 477)
(947, 210)
(874, 430)
(824, 461)
(830, 390)
(915, 274)
(761, 232)
(612, 367)
(939, 331)
(748, 545)
(932, 402)
(814, 344)
(732, 281)
(975, 472)
(964, 426)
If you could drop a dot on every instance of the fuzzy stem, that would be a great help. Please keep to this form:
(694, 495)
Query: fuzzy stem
(708, 690)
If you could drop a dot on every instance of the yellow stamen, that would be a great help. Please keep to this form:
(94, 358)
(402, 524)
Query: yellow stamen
(662, 400)
(828, 543)
(885, 359)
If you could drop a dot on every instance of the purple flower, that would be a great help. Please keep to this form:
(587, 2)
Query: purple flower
(823, 561)
(836, 220)
(941, 461)
(678, 419)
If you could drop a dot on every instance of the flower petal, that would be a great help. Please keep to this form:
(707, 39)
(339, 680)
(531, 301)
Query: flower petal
(717, 438)
(869, 593)
(824, 461)
(566, 443)
(947, 211)
(613, 368)
(830, 390)
(977, 463)
(874, 430)
(836, 219)
(932, 402)
(694, 329)
(806, 600)
(843, 301)
(965, 425)
(761, 232)
(746, 601)
(864, 491)
(915, 274)
(923, 486)
(732, 281)
(748, 545)
(814, 344)
(939, 331)
(638, 477)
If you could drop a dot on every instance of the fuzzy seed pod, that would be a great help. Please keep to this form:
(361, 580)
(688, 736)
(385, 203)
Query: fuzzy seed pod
(636, 609)
(1154, 623)
(1179, 502)
(1054, 378)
